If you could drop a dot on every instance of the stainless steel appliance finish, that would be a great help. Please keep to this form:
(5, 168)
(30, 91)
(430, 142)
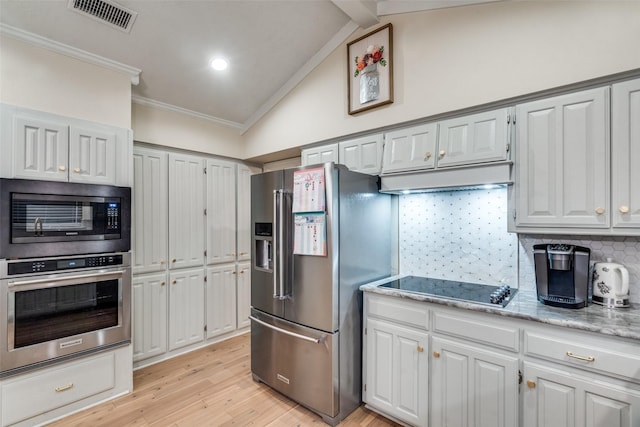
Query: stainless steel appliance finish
(45, 218)
(562, 275)
(495, 296)
(62, 307)
(307, 310)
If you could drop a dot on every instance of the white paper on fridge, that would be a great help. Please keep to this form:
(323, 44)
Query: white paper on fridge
(308, 190)
(310, 234)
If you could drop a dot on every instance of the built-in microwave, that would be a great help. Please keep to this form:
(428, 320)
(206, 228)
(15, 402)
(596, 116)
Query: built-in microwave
(45, 218)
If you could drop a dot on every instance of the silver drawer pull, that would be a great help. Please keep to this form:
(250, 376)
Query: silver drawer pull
(585, 358)
(64, 388)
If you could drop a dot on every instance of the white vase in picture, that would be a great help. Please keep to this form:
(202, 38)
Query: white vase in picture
(369, 84)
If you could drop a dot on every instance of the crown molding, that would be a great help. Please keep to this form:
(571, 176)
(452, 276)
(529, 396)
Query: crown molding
(70, 51)
(168, 107)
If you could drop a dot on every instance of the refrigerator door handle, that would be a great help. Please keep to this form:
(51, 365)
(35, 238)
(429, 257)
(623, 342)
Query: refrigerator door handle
(278, 265)
(276, 242)
(284, 331)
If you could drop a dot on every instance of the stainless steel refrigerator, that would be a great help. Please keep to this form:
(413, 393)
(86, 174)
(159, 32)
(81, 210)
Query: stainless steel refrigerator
(306, 314)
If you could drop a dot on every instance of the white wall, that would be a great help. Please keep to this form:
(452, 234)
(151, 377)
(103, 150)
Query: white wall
(449, 59)
(172, 129)
(36, 78)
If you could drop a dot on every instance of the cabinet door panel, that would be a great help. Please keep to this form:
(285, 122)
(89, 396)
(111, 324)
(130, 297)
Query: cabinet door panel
(92, 156)
(41, 149)
(186, 307)
(625, 151)
(221, 212)
(186, 211)
(244, 213)
(472, 386)
(149, 211)
(556, 397)
(221, 300)
(149, 316)
(472, 139)
(323, 154)
(362, 154)
(244, 294)
(410, 149)
(396, 375)
(562, 164)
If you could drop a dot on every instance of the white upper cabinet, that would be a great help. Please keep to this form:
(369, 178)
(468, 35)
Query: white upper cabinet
(243, 223)
(477, 138)
(92, 156)
(412, 148)
(362, 154)
(186, 211)
(562, 163)
(41, 150)
(625, 153)
(322, 154)
(38, 145)
(149, 234)
(221, 211)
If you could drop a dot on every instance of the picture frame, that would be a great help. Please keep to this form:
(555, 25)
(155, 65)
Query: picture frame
(370, 70)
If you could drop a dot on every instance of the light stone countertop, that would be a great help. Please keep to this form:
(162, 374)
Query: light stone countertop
(621, 322)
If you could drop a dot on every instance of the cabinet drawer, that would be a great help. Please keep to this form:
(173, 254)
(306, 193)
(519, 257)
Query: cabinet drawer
(38, 393)
(505, 337)
(398, 310)
(607, 357)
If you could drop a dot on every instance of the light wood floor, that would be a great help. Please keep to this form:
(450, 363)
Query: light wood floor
(207, 387)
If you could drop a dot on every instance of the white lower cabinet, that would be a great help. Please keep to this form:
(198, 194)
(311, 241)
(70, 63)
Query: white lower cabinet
(149, 315)
(221, 299)
(487, 370)
(471, 386)
(244, 294)
(40, 396)
(396, 363)
(397, 377)
(555, 397)
(186, 307)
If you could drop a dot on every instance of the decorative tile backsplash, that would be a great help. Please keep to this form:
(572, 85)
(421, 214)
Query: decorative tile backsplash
(458, 235)
(462, 235)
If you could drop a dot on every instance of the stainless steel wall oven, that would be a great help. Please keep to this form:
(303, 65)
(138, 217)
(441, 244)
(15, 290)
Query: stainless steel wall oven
(62, 307)
(45, 218)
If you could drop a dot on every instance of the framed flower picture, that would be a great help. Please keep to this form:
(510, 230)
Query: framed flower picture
(370, 70)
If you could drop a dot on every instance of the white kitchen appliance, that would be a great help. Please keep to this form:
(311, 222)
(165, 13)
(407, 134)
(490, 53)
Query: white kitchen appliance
(610, 284)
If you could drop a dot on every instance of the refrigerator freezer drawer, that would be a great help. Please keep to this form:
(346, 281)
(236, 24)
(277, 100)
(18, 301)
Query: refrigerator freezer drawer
(299, 362)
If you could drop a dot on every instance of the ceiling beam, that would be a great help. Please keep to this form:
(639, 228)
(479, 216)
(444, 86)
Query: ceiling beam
(362, 12)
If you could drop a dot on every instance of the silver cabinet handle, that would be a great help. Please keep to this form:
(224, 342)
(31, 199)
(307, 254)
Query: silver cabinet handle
(284, 331)
(73, 279)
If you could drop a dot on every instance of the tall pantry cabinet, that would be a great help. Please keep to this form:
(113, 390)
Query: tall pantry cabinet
(189, 215)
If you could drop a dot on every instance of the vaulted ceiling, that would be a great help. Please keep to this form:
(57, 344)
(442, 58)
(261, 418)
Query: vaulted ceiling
(270, 45)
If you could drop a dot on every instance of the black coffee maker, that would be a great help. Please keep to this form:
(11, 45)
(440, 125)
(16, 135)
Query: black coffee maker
(562, 275)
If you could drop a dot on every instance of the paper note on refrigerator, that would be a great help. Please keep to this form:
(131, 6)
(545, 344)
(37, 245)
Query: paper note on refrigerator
(310, 234)
(308, 190)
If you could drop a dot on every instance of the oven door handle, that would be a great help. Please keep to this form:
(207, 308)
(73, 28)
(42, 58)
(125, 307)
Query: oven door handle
(75, 279)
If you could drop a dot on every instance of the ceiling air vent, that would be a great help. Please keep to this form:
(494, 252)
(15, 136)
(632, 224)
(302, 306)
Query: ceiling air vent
(105, 11)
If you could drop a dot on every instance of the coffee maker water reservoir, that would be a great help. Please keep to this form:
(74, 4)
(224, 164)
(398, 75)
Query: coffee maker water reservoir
(562, 275)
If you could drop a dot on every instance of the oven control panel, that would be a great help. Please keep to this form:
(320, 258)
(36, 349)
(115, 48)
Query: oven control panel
(44, 265)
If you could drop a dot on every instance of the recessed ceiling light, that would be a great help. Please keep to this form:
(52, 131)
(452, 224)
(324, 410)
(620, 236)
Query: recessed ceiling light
(219, 64)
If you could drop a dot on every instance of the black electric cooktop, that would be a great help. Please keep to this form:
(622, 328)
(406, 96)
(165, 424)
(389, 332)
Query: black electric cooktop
(471, 292)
